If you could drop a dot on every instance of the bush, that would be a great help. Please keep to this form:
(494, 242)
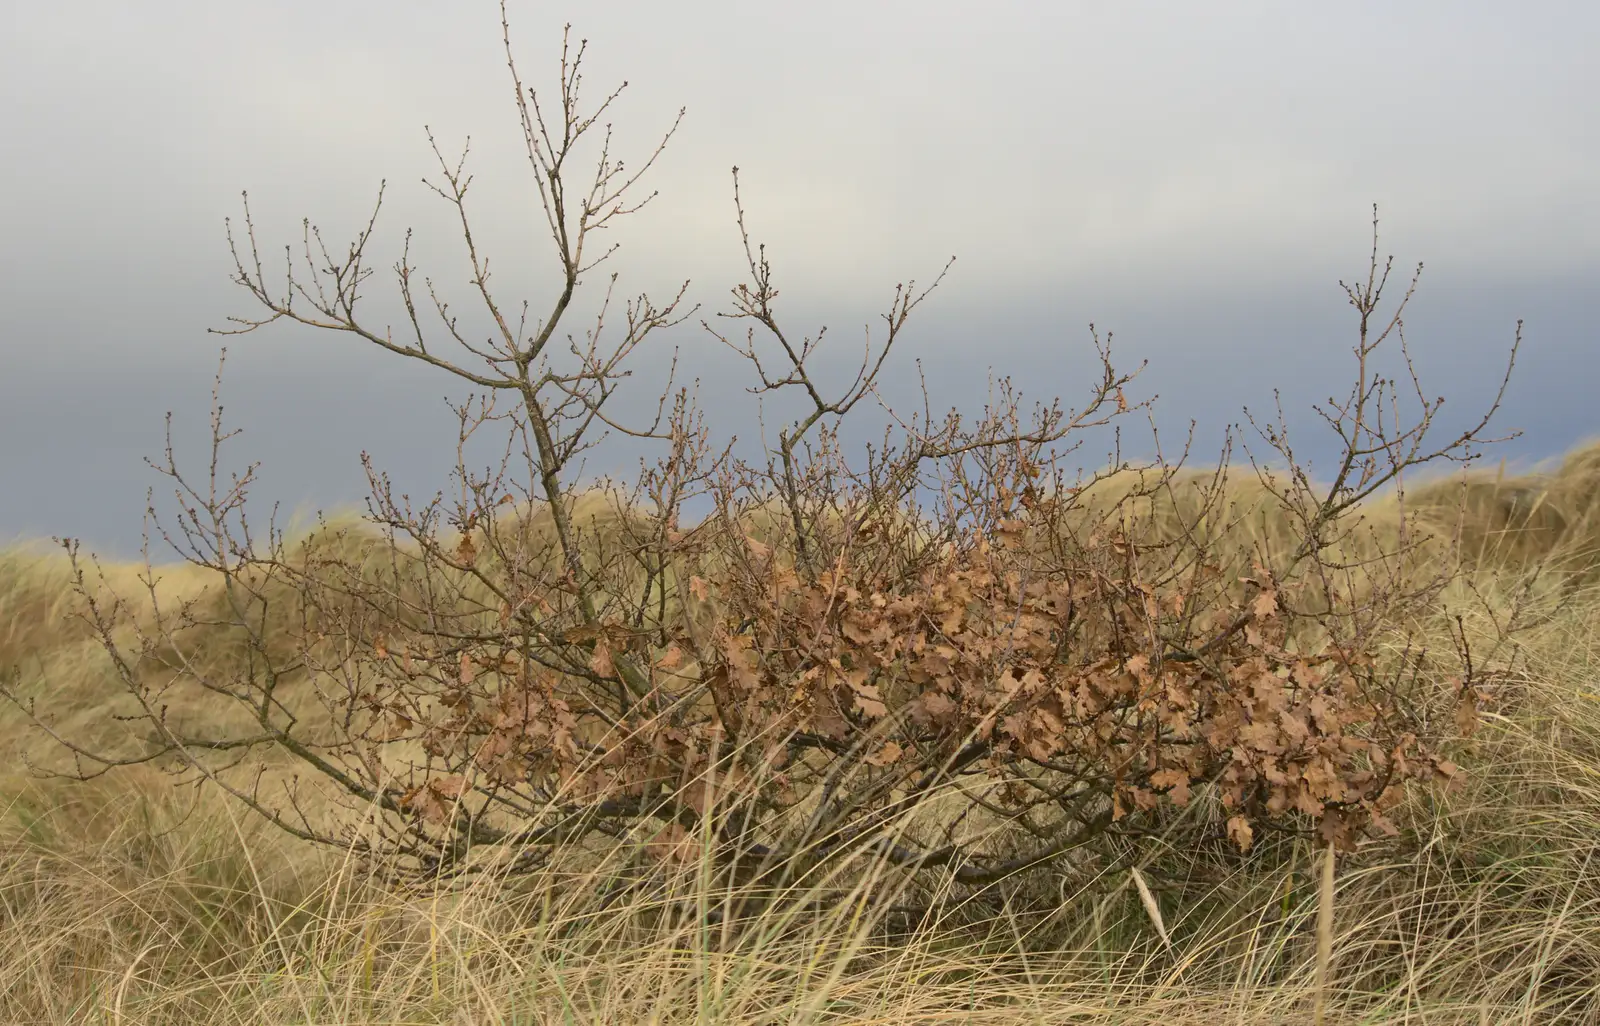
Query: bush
(940, 670)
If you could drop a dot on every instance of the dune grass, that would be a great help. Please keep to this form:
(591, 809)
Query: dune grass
(129, 900)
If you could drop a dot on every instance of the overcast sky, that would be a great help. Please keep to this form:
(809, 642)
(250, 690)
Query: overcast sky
(1195, 178)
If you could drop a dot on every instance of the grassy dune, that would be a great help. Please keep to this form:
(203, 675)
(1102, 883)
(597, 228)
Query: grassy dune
(128, 900)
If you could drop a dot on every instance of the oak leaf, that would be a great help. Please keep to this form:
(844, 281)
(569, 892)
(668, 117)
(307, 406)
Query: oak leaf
(889, 754)
(600, 661)
(869, 702)
(1175, 782)
(1240, 832)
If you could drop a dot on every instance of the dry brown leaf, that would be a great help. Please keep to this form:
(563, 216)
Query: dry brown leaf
(449, 787)
(887, 755)
(600, 661)
(1241, 833)
(1176, 781)
(869, 702)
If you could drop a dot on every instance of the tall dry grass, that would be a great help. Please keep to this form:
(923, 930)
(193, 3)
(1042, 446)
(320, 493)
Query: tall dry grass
(127, 900)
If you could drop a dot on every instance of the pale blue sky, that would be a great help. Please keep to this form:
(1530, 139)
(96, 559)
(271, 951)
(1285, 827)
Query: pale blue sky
(1195, 178)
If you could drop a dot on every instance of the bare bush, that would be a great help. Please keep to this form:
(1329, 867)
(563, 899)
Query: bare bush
(948, 663)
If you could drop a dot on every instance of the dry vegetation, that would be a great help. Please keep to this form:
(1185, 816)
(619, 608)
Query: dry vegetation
(944, 735)
(131, 897)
